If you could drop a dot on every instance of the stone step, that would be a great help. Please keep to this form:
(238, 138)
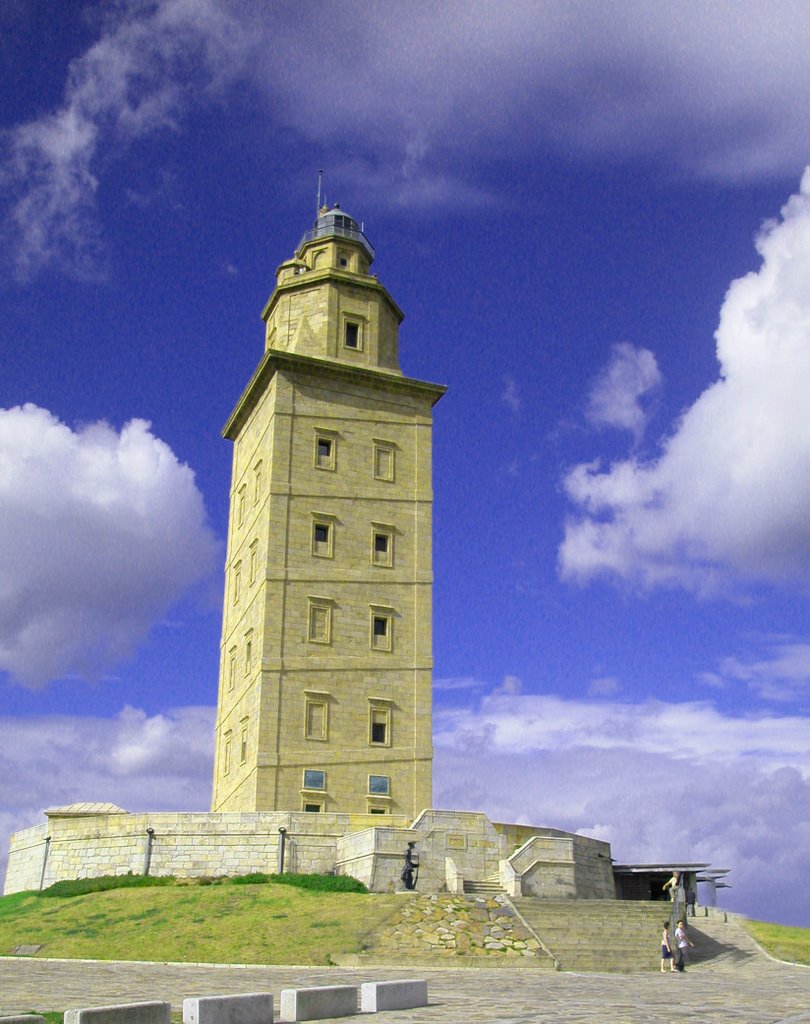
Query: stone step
(597, 935)
(483, 888)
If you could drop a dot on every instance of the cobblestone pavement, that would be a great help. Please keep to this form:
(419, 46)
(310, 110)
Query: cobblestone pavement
(758, 991)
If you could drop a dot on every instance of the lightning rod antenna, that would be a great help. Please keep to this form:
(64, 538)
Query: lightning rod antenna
(318, 201)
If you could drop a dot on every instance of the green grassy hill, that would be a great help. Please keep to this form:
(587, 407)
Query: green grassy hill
(230, 922)
(214, 923)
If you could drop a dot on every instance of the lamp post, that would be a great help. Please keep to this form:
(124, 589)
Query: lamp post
(282, 835)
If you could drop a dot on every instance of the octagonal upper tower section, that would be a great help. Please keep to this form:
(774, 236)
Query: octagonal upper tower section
(327, 305)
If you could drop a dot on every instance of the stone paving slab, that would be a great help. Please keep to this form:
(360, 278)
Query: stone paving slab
(759, 992)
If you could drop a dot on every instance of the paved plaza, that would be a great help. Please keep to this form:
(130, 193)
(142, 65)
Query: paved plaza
(754, 990)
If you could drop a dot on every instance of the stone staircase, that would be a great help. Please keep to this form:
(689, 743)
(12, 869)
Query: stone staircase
(617, 936)
(484, 887)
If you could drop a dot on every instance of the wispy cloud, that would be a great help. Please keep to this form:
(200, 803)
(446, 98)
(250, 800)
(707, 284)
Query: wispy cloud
(782, 675)
(696, 732)
(100, 533)
(457, 683)
(138, 79)
(697, 90)
(615, 398)
(510, 395)
(725, 502)
(604, 686)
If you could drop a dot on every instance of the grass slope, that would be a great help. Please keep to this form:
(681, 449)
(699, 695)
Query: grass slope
(781, 941)
(224, 923)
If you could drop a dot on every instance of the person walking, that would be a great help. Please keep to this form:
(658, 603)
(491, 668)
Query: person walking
(666, 949)
(672, 884)
(683, 942)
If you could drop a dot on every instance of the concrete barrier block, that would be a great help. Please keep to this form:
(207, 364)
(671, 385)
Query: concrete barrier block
(319, 1001)
(125, 1013)
(252, 1008)
(392, 995)
(23, 1018)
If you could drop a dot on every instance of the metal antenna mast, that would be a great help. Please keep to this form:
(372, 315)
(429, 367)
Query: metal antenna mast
(318, 200)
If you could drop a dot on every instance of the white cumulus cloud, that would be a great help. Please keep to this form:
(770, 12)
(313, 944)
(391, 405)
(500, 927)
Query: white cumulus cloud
(100, 533)
(725, 502)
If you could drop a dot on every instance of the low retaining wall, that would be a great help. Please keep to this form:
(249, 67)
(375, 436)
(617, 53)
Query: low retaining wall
(87, 841)
(184, 845)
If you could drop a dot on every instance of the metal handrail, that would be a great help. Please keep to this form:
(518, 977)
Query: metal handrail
(334, 229)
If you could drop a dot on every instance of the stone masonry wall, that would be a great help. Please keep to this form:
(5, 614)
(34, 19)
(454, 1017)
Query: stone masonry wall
(456, 926)
(184, 845)
(452, 845)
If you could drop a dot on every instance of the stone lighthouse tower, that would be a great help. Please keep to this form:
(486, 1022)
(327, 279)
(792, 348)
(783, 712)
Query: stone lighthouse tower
(326, 663)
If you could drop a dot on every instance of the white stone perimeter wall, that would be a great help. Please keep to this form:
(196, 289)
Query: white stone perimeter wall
(184, 845)
(26, 852)
(452, 846)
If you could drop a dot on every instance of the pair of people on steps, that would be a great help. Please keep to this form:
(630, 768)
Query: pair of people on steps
(677, 957)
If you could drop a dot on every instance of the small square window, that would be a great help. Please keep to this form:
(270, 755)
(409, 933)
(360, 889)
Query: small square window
(378, 785)
(322, 536)
(383, 461)
(379, 726)
(324, 452)
(351, 336)
(382, 546)
(314, 779)
(381, 629)
(313, 808)
(377, 810)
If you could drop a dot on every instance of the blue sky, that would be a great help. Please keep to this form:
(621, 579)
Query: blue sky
(597, 221)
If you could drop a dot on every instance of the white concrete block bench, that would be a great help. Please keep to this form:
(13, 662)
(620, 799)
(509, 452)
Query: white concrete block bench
(253, 1008)
(319, 1001)
(392, 995)
(125, 1013)
(22, 1018)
